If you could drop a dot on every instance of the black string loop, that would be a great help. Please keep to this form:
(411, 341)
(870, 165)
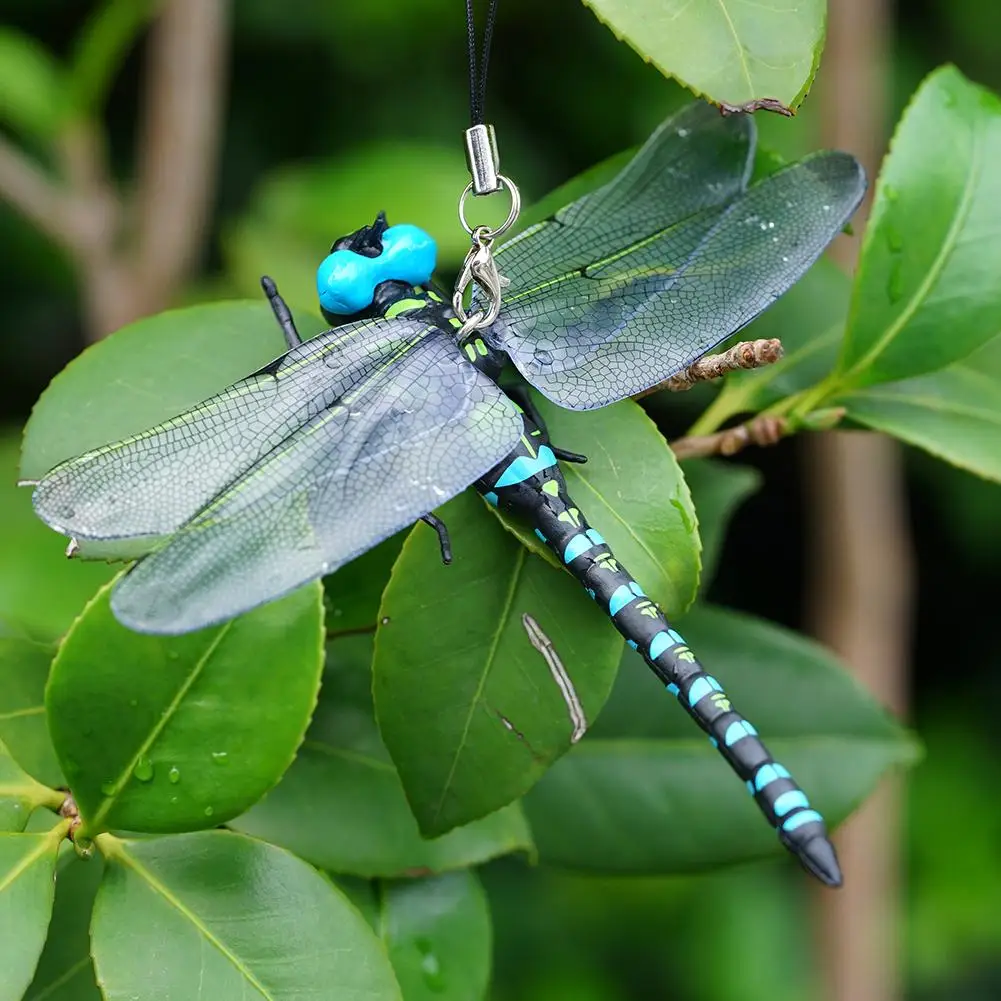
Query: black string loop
(478, 74)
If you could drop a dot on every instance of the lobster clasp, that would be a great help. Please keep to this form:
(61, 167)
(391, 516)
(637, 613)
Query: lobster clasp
(479, 268)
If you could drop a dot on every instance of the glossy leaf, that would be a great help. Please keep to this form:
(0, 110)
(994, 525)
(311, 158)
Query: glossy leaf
(24, 670)
(147, 372)
(341, 805)
(927, 293)
(467, 707)
(20, 794)
(216, 916)
(669, 803)
(353, 593)
(717, 489)
(178, 733)
(631, 489)
(437, 934)
(33, 563)
(65, 970)
(730, 52)
(954, 414)
(27, 864)
(31, 86)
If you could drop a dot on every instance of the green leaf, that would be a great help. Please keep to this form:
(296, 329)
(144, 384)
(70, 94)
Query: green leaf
(954, 414)
(216, 916)
(33, 563)
(927, 291)
(717, 489)
(731, 52)
(174, 733)
(437, 934)
(65, 970)
(20, 794)
(669, 803)
(468, 709)
(341, 805)
(632, 491)
(24, 670)
(32, 86)
(27, 865)
(148, 372)
(298, 211)
(354, 592)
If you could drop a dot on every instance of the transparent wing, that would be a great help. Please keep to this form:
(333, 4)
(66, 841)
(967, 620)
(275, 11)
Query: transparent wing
(148, 485)
(681, 178)
(402, 437)
(624, 323)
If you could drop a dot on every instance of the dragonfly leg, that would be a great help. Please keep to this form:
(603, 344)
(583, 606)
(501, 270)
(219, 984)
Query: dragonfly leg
(282, 313)
(439, 526)
(521, 396)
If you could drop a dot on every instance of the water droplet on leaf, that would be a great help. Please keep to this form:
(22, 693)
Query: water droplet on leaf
(219, 757)
(174, 775)
(143, 770)
(108, 788)
(209, 811)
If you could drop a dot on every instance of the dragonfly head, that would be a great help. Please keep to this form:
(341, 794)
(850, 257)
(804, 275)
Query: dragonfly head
(359, 263)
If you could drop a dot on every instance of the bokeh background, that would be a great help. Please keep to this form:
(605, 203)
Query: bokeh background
(333, 109)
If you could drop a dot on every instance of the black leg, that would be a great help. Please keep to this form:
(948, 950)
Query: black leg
(439, 526)
(521, 396)
(282, 313)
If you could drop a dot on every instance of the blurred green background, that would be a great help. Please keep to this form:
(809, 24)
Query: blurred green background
(337, 109)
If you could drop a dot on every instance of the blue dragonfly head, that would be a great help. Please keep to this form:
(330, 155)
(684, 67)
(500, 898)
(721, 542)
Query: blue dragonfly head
(357, 264)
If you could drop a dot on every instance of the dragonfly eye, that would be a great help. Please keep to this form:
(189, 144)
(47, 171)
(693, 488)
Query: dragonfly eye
(347, 279)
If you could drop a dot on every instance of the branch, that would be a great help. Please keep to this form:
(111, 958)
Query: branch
(743, 355)
(761, 430)
(180, 144)
(34, 194)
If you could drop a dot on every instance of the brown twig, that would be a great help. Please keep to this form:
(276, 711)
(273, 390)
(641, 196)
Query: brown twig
(36, 195)
(743, 355)
(761, 430)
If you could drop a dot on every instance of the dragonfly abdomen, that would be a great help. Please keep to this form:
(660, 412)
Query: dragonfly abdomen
(530, 484)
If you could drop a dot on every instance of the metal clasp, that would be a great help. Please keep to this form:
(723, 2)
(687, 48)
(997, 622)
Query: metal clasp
(479, 268)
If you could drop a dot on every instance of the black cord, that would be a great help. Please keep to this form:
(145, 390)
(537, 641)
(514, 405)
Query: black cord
(478, 80)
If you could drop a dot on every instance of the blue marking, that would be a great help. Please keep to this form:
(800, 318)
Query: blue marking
(750, 786)
(701, 687)
(714, 742)
(799, 819)
(346, 281)
(591, 593)
(620, 599)
(767, 774)
(491, 498)
(789, 801)
(660, 643)
(674, 689)
(782, 773)
(595, 536)
(541, 536)
(525, 467)
(577, 546)
(737, 731)
(676, 636)
(632, 643)
(636, 589)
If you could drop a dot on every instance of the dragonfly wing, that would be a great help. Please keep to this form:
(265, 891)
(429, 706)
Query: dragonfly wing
(622, 324)
(691, 167)
(148, 485)
(406, 436)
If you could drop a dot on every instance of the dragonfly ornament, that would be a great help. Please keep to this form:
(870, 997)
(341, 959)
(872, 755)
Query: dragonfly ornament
(356, 433)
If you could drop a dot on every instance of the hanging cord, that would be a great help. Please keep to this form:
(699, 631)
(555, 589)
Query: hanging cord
(478, 76)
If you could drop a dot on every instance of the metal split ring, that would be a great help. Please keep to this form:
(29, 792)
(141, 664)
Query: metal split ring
(488, 233)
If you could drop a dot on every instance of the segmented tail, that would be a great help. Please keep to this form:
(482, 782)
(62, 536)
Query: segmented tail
(530, 484)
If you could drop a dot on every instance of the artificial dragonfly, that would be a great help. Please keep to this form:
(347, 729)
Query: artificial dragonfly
(356, 433)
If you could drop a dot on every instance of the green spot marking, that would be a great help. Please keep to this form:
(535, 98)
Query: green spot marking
(552, 488)
(481, 347)
(471, 354)
(403, 306)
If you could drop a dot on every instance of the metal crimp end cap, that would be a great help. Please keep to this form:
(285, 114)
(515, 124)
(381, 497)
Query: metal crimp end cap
(482, 159)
